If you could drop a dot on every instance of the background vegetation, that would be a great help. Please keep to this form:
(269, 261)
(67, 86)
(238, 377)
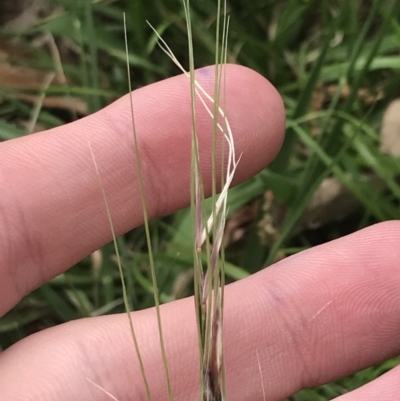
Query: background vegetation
(337, 65)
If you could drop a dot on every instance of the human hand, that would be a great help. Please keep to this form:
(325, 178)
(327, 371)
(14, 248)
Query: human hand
(309, 319)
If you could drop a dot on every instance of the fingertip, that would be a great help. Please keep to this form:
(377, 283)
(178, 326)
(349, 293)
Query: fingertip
(253, 107)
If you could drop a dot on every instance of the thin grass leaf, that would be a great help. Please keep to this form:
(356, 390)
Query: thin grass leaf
(148, 237)
(10, 131)
(108, 394)
(63, 309)
(119, 263)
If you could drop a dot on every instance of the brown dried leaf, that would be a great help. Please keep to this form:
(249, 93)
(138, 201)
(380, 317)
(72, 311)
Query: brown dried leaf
(58, 102)
(390, 130)
(331, 202)
(20, 15)
(236, 225)
(18, 78)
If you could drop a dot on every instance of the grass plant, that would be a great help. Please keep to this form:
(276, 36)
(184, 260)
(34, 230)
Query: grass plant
(337, 66)
(208, 282)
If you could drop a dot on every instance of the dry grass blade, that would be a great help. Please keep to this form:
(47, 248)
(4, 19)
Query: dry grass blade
(147, 230)
(208, 230)
(39, 103)
(102, 390)
(119, 263)
(209, 282)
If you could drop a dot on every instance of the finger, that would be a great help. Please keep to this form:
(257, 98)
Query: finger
(310, 319)
(384, 388)
(53, 212)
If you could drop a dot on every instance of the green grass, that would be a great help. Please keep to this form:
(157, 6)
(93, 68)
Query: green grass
(303, 47)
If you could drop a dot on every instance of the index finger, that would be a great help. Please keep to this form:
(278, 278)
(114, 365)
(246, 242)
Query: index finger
(53, 211)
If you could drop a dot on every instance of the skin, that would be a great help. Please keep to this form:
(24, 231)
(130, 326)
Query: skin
(311, 318)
